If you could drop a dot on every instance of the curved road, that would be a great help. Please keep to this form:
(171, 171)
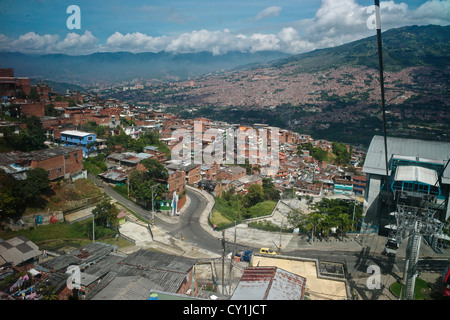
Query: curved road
(188, 225)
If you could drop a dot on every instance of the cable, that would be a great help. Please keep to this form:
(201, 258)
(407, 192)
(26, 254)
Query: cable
(380, 61)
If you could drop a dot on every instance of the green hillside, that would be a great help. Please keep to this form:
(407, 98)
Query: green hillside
(404, 47)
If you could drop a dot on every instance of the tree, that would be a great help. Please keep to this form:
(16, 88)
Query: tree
(255, 195)
(31, 138)
(337, 213)
(296, 218)
(39, 177)
(105, 212)
(155, 170)
(269, 190)
(343, 156)
(50, 110)
(32, 188)
(34, 95)
(11, 204)
(144, 188)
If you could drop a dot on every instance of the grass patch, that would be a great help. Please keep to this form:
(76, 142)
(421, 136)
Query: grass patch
(62, 192)
(420, 289)
(262, 209)
(226, 212)
(59, 235)
(219, 220)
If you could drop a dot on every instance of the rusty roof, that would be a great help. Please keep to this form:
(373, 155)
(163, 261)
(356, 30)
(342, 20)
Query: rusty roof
(269, 283)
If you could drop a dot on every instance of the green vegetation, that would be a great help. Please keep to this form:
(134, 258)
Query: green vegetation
(267, 225)
(341, 214)
(123, 141)
(58, 235)
(50, 111)
(152, 183)
(34, 195)
(28, 139)
(420, 289)
(18, 195)
(237, 207)
(404, 47)
(95, 165)
(92, 126)
(315, 152)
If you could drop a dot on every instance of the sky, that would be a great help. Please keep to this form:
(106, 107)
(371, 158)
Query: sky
(181, 26)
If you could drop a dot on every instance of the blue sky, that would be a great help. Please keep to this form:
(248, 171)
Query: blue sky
(39, 26)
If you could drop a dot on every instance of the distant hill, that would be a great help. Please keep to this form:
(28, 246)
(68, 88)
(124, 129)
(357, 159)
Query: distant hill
(59, 87)
(125, 66)
(412, 46)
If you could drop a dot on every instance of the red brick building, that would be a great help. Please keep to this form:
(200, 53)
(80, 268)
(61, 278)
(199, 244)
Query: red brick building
(176, 182)
(231, 173)
(30, 109)
(60, 162)
(11, 85)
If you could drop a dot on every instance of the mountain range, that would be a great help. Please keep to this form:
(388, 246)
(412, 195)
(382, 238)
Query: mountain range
(402, 47)
(126, 66)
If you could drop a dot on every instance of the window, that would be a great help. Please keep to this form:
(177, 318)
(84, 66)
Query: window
(59, 170)
(75, 155)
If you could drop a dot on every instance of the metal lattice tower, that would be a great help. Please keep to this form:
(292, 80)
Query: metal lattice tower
(414, 223)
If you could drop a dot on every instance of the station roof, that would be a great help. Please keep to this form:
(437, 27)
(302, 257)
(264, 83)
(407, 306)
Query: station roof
(414, 173)
(422, 150)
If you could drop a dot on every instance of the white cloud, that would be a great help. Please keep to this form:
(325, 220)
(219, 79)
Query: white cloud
(34, 43)
(268, 12)
(338, 22)
(335, 23)
(134, 42)
(77, 44)
(433, 12)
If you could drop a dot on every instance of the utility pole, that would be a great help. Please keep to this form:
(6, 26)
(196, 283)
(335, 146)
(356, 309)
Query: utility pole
(153, 201)
(281, 230)
(223, 262)
(235, 237)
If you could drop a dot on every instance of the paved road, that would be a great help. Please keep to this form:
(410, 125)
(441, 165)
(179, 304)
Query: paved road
(186, 225)
(127, 203)
(189, 225)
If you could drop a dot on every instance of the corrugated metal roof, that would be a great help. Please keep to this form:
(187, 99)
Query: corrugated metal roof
(269, 283)
(428, 150)
(134, 276)
(17, 250)
(419, 174)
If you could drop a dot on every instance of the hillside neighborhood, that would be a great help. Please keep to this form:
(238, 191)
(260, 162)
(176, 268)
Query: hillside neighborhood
(51, 141)
(70, 152)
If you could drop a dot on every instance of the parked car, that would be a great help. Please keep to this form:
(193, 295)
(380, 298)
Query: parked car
(391, 247)
(266, 251)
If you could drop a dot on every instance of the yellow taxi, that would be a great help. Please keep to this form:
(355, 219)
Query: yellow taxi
(266, 251)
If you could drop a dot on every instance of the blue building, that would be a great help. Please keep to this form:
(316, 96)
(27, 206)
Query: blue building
(79, 139)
